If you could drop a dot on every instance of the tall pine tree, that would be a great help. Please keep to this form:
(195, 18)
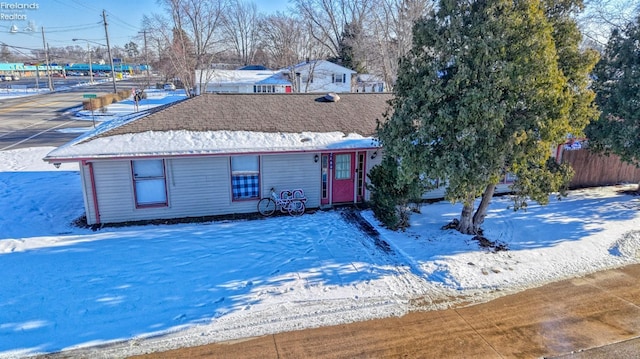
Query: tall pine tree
(489, 88)
(347, 56)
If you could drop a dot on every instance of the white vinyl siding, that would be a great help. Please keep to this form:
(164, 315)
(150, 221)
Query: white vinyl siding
(326, 77)
(370, 163)
(85, 178)
(292, 171)
(196, 186)
(114, 190)
(199, 186)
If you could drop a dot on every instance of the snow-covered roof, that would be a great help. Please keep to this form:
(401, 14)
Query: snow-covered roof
(236, 76)
(235, 123)
(276, 79)
(316, 63)
(180, 143)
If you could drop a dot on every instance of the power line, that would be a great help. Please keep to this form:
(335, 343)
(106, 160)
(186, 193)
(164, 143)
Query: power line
(113, 17)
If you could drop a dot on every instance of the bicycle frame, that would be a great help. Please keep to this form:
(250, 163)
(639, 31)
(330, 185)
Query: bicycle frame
(292, 202)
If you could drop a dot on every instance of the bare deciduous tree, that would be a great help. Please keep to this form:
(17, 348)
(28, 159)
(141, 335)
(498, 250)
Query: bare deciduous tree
(240, 27)
(602, 16)
(327, 19)
(281, 37)
(189, 36)
(390, 34)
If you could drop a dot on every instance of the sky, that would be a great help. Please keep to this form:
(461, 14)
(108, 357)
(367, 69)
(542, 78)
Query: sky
(64, 20)
(159, 287)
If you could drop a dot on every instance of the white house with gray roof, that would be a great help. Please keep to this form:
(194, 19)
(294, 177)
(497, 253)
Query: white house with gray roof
(218, 154)
(321, 76)
(242, 81)
(318, 76)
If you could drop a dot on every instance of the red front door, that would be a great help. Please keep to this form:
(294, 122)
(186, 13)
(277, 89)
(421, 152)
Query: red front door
(343, 181)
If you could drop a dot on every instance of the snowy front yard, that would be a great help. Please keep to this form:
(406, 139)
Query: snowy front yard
(64, 287)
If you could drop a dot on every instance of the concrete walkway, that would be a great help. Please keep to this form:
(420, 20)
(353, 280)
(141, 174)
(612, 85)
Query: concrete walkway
(573, 319)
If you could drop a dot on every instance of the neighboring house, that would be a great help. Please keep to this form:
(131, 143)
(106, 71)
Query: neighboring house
(217, 154)
(321, 76)
(318, 76)
(369, 83)
(242, 81)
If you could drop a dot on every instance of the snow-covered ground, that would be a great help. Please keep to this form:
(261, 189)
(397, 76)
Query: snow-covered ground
(159, 287)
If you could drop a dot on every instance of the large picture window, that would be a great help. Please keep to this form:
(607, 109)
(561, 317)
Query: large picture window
(245, 177)
(264, 88)
(149, 183)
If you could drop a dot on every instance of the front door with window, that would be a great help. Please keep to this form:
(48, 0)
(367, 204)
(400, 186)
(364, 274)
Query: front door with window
(343, 180)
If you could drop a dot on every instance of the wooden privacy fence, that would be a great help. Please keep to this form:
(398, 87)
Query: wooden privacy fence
(593, 170)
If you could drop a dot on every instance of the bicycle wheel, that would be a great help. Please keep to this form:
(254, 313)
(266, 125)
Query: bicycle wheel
(296, 208)
(266, 206)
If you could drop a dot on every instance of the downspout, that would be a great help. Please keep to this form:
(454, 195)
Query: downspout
(96, 208)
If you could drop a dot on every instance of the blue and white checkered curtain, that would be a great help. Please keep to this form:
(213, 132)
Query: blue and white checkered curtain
(245, 186)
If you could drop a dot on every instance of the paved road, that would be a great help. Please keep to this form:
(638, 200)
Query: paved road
(47, 119)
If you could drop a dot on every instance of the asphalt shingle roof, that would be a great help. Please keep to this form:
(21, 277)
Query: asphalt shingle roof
(289, 113)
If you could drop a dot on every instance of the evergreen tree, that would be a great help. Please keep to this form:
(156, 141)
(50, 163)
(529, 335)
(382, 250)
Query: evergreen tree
(617, 85)
(347, 57)
(390, 198)
(489, 88)
(132, 50)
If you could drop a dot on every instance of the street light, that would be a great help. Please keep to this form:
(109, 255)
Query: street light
(113, 72)
(90, 68)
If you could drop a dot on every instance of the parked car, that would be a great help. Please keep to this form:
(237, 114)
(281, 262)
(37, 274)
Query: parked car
(15, 77)
(5, 77)
(169, 86)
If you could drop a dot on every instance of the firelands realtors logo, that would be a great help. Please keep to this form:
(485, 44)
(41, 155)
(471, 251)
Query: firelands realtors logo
(16, 11)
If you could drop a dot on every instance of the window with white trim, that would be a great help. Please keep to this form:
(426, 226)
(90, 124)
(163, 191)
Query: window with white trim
(245, 177)
(339, 78)
(264, 88)
(150, 185)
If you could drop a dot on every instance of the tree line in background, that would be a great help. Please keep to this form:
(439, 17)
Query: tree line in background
(367, 36)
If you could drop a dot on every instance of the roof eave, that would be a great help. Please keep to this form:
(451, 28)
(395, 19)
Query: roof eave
(187, 153)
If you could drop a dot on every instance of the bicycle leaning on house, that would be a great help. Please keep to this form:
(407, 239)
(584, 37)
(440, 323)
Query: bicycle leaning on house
(292, 202)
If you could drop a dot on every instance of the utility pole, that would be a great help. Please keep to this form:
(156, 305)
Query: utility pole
(46, 58)
(106, 34)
